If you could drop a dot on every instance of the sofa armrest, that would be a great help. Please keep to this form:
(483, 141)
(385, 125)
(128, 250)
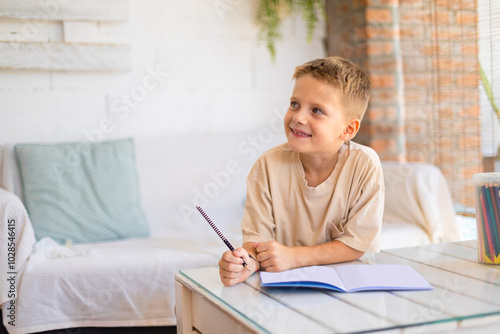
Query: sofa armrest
(10, 179)
(17, 239)
(417, 193)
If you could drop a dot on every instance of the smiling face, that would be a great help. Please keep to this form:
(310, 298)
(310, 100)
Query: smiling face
(315, 123)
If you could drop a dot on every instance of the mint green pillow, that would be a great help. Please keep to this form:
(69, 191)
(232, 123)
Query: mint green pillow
(83, 192)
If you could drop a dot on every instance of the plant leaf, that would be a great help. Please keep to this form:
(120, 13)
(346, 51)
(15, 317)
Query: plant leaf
(489, 91)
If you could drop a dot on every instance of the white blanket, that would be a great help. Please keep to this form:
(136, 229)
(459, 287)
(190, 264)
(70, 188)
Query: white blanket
(16, 240)
(418, 194)
(122, 283)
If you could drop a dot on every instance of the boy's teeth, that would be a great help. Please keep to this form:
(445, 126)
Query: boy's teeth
(300, 134)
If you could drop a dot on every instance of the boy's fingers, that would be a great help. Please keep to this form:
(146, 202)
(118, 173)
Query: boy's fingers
(261, 257)
(229, 268)
(240, 252)
(262, 247)
(237, 254)
(227, 278)
(229, 257)
(229, 254)
(229, 274)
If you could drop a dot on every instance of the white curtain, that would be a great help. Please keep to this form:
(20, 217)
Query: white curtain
(489, 59)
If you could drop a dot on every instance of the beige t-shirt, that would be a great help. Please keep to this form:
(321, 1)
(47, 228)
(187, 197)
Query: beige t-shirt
(347, 206)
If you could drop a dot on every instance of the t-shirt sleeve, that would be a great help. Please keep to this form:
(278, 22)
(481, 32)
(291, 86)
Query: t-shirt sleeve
(258, 221)
(362, 227)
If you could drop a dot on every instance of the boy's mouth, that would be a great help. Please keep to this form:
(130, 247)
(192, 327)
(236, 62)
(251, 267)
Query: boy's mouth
(299, 133)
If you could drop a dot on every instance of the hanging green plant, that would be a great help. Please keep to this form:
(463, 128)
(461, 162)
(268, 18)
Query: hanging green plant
(489, 91)
(491, 98)
(271, 13)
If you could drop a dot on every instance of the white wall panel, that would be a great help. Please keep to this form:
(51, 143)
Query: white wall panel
(162, 112)
(209, 63)
(247, 110)
(102, 10)
(64, 57)
(48, 116)
(77, 44)
(220, 80)
(291, 52)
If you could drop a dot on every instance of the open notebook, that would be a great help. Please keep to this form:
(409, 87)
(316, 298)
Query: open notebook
(349, 278)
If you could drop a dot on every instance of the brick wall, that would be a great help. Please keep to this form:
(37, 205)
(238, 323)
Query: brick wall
(367, 33)
(422, 59)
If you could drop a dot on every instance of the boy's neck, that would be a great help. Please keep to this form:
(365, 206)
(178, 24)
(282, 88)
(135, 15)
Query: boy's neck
(318, 167)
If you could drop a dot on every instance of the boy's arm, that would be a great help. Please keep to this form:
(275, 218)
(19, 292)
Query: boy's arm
(331, 252)
(274, 257)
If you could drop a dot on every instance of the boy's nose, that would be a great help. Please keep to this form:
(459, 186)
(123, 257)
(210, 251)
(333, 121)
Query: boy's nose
(300, 117)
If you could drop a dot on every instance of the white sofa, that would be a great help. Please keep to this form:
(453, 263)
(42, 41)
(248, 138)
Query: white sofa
(131, 282)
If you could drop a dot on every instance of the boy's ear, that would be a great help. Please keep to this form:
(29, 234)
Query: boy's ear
(351, 129)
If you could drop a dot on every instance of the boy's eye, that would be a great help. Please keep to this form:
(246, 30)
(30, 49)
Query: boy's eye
(317, 111)
(294, 104)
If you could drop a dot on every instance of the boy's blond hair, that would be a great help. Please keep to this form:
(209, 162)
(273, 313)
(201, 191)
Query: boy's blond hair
(351, 82)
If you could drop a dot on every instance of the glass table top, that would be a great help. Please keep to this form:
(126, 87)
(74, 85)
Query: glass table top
(463, 290)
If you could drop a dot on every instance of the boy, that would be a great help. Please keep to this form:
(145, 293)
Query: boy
(317, 199)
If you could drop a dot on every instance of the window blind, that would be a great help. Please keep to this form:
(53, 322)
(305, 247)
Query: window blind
(439, 50)
(489, 63)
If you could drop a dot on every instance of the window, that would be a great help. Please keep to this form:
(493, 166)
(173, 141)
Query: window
(439, 47)
(489, 93)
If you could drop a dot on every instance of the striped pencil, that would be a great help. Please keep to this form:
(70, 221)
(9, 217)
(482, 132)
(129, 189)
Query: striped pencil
(219, 233)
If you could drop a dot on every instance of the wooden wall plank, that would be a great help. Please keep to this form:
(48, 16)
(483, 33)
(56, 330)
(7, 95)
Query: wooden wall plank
(14, 30)
(61, 56)
(58, 10)
(78, 31)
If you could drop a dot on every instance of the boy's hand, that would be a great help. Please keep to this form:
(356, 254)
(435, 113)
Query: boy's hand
(273, 256)
(231, 268)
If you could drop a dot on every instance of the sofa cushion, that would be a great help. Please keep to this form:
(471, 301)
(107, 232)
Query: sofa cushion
(83, 192)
